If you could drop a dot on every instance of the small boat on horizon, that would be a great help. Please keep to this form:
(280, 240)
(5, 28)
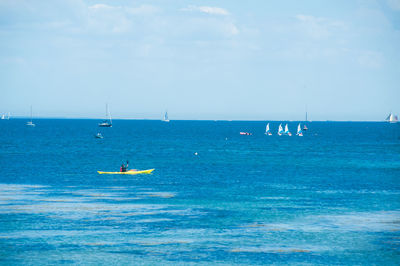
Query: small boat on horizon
(30, 123)
(107, 122)
(299, 131)
(305, 126)
(245, 133)
(165, 118)
(98, 136)
(267, 130)
(4, 117)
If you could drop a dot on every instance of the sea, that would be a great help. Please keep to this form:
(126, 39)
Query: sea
(331, 197)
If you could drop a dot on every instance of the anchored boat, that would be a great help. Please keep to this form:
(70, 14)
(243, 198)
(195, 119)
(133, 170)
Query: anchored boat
(30, 123)
(305, 126)
(107, 122)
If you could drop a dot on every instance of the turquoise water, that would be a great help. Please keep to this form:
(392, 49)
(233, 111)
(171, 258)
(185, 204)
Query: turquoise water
(330, 197)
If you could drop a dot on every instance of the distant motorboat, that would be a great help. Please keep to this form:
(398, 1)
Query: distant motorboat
(30, 123)
(165, 119)
(98, 136)
(267, 130)
(392, 118)
(245, 133)
(280, 130)
(107, 122)
(299, 131)
(287, 132)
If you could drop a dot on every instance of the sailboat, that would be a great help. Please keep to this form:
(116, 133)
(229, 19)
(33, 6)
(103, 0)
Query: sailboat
(392, 118)
(30, 123)
(267, 131)
(287, 132)
(107, 122)
(165, 119)
(280, 130)
(4, 117)
(305, 126)
(299, 131)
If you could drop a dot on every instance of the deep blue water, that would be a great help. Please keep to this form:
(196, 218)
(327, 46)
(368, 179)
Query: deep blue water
(330, 197)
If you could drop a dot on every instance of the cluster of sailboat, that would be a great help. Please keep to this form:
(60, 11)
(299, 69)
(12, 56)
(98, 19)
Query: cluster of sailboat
(392, 118)
(107, 122)
(286, 132)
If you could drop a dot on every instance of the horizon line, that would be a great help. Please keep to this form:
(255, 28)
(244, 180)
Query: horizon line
(216, 120)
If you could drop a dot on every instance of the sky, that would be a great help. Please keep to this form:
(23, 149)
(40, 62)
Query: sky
(233, 60)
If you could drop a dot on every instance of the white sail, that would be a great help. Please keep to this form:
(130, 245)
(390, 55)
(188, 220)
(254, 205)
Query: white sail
(299, 131)
(287, 132)
(280, 129)
(166, 117)
(392, 118)
(267, 130)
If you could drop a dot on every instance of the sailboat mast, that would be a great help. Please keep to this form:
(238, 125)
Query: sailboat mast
(109, 114)
(31, 113)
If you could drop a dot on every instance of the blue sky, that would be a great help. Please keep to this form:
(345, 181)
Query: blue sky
(261, 60)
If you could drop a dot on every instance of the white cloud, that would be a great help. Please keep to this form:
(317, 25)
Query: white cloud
(394, 4)
(143, 10)
(140, 10)
(319, 27)
(208, 10)
(116, 19)
(101, 6)
(231, 29)
(370, 59)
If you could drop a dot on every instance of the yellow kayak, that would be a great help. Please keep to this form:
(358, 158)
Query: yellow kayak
(130, 172)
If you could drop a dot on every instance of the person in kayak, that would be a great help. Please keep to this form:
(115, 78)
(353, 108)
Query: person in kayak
(123, 167)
